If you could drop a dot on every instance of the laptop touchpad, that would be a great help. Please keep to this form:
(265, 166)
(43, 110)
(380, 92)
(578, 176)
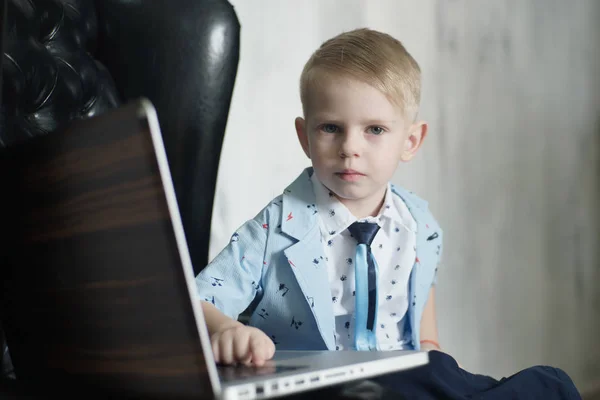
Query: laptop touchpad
(229, 373)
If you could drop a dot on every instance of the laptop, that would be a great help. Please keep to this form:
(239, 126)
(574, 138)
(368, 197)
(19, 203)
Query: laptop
(97, 285)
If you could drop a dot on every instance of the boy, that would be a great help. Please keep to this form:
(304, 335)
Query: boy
(342, 260)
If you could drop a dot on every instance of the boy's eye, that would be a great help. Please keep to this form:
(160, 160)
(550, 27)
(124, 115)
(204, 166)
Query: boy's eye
(376, 130)
(329, 128)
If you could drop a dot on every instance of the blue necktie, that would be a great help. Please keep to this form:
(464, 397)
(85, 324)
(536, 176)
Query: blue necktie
(365, 278)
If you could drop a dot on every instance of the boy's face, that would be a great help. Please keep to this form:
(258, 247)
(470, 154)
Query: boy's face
(355, 138)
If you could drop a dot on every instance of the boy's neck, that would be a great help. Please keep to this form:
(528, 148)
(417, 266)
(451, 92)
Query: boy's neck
(369, 207)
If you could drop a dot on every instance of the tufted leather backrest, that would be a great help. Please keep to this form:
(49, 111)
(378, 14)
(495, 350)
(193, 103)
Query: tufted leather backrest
(50, 75)
(69, 59)
(183, 56)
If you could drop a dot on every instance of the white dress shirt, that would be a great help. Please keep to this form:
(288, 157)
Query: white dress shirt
(394, 249)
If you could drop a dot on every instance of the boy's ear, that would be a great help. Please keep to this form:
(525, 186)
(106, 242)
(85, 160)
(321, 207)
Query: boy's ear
(416, 134)
(302, 136)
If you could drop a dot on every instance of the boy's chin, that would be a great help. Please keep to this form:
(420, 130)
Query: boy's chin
(352, 194)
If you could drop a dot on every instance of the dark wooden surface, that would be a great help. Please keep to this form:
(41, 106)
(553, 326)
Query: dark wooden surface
(91, 283)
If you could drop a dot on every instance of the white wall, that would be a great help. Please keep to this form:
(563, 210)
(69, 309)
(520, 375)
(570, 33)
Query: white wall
(511, 167)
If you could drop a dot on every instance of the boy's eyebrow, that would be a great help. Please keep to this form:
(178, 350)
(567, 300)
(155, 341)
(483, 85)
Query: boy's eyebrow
(379, 121)
(374, 121)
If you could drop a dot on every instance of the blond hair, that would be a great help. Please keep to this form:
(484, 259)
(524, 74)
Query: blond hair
(372, 57)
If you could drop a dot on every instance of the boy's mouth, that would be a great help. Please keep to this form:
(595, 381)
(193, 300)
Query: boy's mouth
(349, 175)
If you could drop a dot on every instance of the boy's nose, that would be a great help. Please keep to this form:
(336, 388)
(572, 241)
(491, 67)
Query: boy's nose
(350, 145)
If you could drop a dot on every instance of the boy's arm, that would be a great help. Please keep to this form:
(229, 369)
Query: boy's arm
(429, 333)
(232, 280)
(215, 319)
(227, 286)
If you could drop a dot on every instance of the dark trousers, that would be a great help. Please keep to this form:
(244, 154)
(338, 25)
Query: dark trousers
(442, 378)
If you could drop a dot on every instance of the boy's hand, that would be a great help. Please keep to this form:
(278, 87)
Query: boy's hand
(241, 344)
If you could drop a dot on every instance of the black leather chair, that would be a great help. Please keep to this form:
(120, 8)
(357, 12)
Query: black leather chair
(69, 59)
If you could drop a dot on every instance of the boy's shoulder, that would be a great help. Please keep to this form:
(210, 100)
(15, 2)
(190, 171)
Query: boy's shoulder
(294, 209)
(410, 198)
(418, 207)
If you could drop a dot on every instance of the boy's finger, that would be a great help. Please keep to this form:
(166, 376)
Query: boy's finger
(240, 346)
(226, 348)
(247, 361)
(215, 348)
(266, 351)
(258, 360)
(257, 349)
(270, 349)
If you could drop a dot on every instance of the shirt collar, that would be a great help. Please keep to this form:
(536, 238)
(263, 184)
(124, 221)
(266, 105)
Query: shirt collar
(396, 211)
(336, 218)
